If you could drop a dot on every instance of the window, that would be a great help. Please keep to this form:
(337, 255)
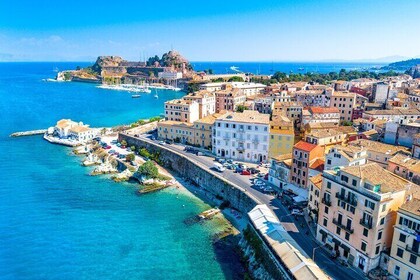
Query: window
(397, 270)
(328, 185)
(325, 222)
(363, 247)
(370, 204)
(379, 235)
(410, 276)
(354, 182)
(413, 259)
(365, 232)
(338, 231)
(326, 209)
(403, 237)
(382, 221)
(383, 207)
(347, 236)
(400, 252)
(378, 247)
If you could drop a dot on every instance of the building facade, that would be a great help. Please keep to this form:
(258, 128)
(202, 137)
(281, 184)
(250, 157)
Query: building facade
(303, 155)
(404, 262)
(242, 136)
(357, 212)
(282, 136)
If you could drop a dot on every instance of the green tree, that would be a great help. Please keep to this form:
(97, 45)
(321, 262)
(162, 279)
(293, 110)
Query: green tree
(123, 143)
(240, 108)
(130, 157)
(236, 79)
(149, 170)
(144, 153)
(133, 148)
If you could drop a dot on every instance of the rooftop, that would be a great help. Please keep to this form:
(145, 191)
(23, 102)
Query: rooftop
(210, 119)
(323, 110)
(394, 112)
(379, 147)
(323, 133)
(375, 175)
(304, 146)
(343, 94)
(316, 180)
(413, 206)
(408, 162)
(247, 116)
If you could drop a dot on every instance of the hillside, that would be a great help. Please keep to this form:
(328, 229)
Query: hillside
(402, 65)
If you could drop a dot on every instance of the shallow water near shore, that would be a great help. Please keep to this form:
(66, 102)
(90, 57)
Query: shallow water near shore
(56, 222)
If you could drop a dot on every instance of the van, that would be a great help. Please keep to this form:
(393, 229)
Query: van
(219, 167)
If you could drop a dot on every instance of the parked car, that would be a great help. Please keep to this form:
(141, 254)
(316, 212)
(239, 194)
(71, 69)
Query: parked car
(266, 176)
(169, 142)
(230, 161)
(221, 160)
(253, 170)
(245, 172)
(108, 147)
(219, 167)
(136, 135)
(268, 189)
(118, 145)
(294, 206)
(161, 142)
(114, 141)
(259, 183)
(111, 151)
(297, 212)
(238, 170)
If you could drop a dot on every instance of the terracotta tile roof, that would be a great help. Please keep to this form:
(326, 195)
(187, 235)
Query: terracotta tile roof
(379, 147)
(406, 161)
(317, 164)
(247, 116)
(413, 206)
(304, 146)
(323, 110)
(374, 174)
(316, 180)
(283, 157)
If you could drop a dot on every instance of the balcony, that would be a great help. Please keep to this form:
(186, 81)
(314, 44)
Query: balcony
(326, 202)
(255, 141)
(411, 250)
(344, 227)
(347, 199)
(366, 224)
(241, 148)
(226, 137)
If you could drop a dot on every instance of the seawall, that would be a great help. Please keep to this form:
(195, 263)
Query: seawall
(197, 173)
(28, 133)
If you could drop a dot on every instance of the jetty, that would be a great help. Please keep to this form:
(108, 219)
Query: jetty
(208, 214)
(28, 133)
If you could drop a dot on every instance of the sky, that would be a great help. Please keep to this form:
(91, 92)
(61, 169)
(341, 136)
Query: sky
(264, 30)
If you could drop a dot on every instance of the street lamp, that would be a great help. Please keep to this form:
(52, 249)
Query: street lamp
(313, 251)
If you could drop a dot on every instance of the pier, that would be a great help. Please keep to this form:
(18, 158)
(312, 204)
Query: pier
(28, 133)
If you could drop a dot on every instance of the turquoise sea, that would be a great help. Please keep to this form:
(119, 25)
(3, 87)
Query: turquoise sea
(56, 222)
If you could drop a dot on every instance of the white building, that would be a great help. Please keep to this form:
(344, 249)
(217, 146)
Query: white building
(67, 128)
(380, 92)
(250, 89)
(169, 75)
(345, 156)
(242, 136)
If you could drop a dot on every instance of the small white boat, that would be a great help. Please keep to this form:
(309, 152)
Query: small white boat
(156, 96)
(135, 95)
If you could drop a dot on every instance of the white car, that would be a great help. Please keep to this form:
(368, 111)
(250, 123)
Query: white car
(259, 183)
(297, 212)
(161, 142)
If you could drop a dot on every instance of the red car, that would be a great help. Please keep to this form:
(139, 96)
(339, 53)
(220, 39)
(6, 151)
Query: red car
(246, 172)
(108, 147)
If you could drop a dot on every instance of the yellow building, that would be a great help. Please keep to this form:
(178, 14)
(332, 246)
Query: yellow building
(282, 136)
(203, 129)
(198, 133)
(404, 262)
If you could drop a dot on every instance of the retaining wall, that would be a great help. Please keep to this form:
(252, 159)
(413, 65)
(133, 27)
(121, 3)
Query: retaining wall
(201, 176)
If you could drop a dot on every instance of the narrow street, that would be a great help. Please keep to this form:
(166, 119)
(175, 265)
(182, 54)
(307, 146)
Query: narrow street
(297, 228)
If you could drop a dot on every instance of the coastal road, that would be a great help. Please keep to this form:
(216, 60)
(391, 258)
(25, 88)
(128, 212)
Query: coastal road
(302, 235)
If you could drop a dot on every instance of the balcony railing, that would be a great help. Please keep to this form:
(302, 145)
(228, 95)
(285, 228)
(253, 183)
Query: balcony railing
(366, 224)
(326, 202)
(344, 227)
(411, 250)
(347, 199)
(240, 148)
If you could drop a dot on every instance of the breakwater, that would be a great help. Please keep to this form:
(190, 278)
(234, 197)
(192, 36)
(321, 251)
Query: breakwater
(197, 173)
(28, 133)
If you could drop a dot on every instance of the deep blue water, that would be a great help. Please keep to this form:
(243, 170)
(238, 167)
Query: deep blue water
(267, 68)
(56, 222)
